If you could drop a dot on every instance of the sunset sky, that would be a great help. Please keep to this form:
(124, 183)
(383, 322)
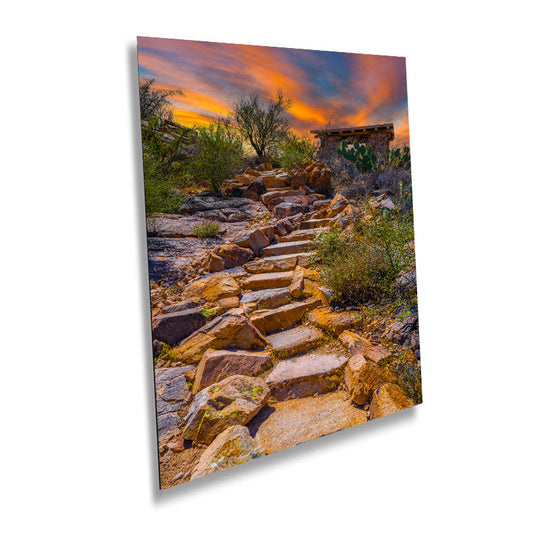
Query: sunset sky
(325, 87)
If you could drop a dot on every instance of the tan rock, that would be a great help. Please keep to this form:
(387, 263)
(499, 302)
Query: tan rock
(234, 255)
(232, 447)
(274, 264)
(213, 288)
(388, 399)
(233, 401)
(254, 239)
(360, 345)
(270, 320)
(298, 287)
(333, 322)
(338, 204)
(214, 263)
(272, 182)
(228, 303)
(217, 365)
(363, 377)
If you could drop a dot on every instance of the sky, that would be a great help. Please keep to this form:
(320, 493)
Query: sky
(333, 89)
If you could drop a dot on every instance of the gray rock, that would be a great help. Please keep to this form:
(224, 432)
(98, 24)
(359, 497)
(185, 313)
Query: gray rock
(174, 327)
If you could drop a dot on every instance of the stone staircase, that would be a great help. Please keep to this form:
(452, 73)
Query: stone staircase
(298, 365)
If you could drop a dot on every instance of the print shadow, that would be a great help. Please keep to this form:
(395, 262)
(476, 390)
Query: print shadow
(144, 284)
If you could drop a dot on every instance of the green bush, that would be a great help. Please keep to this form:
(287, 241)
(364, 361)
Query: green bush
(208, 229)
(360, 264)
(220, 155)
(296, 151)
(162, 167)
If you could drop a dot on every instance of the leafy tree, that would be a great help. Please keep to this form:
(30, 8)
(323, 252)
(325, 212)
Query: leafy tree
(154, 102)
(220, 155)
(263, 124)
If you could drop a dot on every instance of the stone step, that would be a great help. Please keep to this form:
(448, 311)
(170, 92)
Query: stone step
(271, 320)
(300, 235)
(269, 196)
(284, 248)
(271, 280)
(315, 223)
(285, 424)
(294, 341)
(278, 263)
(267, 298)
(278, 189)
(306, 375)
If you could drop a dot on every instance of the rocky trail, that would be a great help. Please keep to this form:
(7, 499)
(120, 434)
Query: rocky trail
(252, 357)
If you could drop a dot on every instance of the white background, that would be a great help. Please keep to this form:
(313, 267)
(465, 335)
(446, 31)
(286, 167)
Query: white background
(78, 446)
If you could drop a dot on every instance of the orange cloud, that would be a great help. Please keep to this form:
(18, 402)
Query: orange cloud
(344, 89)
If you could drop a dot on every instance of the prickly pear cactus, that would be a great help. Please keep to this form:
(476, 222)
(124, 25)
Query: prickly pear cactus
(360, 155)
(400, 157)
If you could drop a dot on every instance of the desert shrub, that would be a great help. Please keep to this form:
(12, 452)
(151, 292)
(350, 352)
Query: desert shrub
(406, 368)
(350, 268)
(296, 151)
(207, 229)
(360, 264)
(220, 155)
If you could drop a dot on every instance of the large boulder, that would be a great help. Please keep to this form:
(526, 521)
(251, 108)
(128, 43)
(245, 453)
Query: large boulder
(388, 399)
(228, 256)
(233, 330)
(233, 401)
(212, 288)
(174, 327)
(232, 447)
(217, 365)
